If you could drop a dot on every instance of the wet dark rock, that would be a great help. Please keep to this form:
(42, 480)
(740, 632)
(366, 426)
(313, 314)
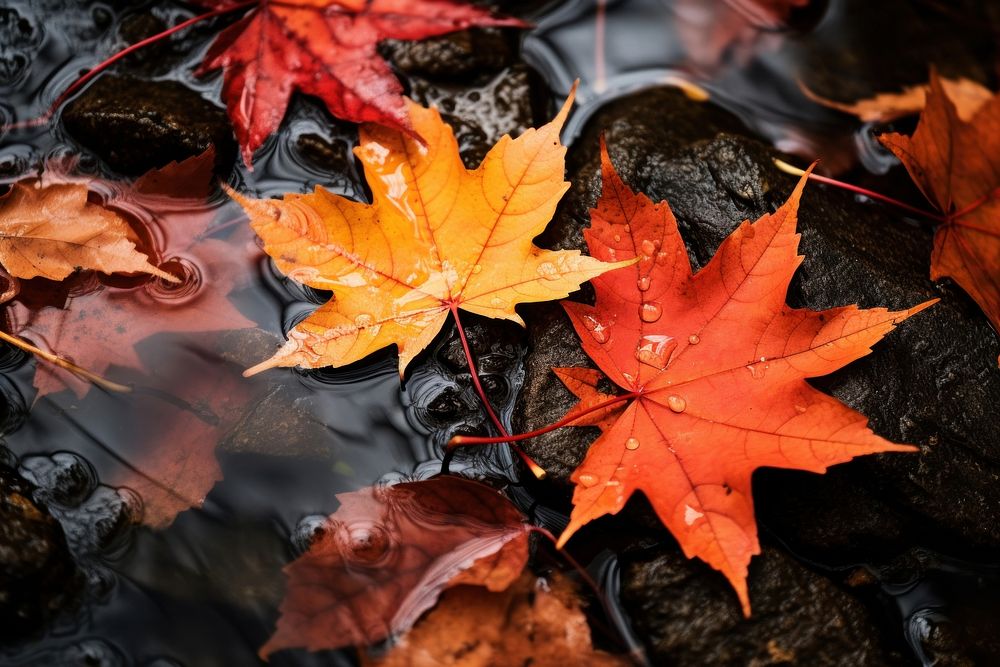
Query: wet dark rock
(155, 58)
(136, 125)
(280, 424)
(331, 156)
(462, 55)
(688, 615)
(932, 382)
(38, 577)
(505, 103)
(948, 606)
(442, 396)
(862, 49)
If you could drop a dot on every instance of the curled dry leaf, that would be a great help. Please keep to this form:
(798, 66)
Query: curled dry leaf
(967, 96)
(715, 364)
(437, 238)
(388, 552)
(100, 328)
(53, 231)
(534, 622)
(956, 164)
(325, 48)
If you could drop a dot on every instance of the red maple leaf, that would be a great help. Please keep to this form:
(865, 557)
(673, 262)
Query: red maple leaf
(714, 364)
(325, 48)
(388, 552)
(100, 328)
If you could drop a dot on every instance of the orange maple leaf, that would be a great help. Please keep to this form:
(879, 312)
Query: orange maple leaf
(714, 365)
(956, 164)
(967, 95)
(437, 238)
(53, 231)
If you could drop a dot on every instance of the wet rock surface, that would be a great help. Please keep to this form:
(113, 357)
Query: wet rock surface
(688, 615)
(38, 577)
(136, 125)
(847, 57)
(931, 382)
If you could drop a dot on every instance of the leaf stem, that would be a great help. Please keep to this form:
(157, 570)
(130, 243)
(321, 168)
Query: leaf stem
(536, 469)
(100, 67)
(461, 440)
(64, 363)
(795, 171)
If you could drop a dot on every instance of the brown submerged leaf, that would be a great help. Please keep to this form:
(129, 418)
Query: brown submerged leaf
(388, 552)
(533, 622)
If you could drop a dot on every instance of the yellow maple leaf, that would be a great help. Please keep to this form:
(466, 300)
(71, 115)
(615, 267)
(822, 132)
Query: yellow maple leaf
(437, 238)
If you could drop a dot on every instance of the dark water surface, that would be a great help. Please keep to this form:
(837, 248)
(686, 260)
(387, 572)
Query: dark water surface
(205, 590)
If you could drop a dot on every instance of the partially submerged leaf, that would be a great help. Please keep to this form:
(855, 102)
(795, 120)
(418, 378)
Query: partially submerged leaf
(534, 622)
(170, 459)
(325, 48)
(716, 361)
(967, 96)
(101, 327)
(437, 238)
(956, 164)
(388, 552)
(713, 33)
(53, 231)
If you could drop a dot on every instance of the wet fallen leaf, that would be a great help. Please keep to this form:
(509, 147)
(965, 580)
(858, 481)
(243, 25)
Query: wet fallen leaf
(534, 622)
(325, 48)
(956, 164)
(99, 325)
(388, 552)
(436, 239)
(716, 363)
(53, 231)
(170, 461)
(967, 96)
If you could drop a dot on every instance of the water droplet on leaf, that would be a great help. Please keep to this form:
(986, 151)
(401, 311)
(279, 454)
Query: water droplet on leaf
(647, 247)
(676, 403)
(588, 480)
(643, 283)
(598, 330)
(650, 311)
(632, 444)
(694, 339)
(655, 350)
